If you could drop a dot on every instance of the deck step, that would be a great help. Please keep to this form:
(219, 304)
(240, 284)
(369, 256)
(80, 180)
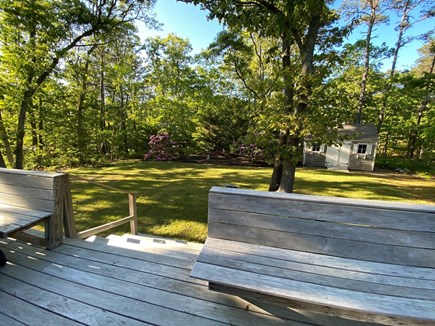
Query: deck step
(145, 245)
(165, 242)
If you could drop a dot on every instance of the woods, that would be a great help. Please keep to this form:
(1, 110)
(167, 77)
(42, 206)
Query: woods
(78, 87)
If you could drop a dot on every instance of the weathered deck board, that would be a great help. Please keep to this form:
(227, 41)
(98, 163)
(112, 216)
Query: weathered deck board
(6, 320)
(323, 261)
(372, 283)
(13, 218)
(94, 283)
(53, 309)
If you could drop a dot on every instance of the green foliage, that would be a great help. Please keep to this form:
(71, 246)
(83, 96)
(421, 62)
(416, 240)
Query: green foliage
(405, 165)
(35, 37)
(78, 88)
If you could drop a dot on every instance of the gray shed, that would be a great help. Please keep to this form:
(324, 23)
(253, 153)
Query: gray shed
(357, 152)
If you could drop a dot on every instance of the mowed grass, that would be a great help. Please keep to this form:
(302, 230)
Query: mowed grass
(172, 196)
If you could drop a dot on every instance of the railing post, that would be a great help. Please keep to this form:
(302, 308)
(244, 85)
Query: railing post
(68, 215)
(133, 212)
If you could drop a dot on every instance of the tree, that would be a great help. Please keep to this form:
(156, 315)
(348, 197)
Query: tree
(426, 101)
(36, 35)
(295, 24)
(405, 9)
(173, 85)
(370, 13)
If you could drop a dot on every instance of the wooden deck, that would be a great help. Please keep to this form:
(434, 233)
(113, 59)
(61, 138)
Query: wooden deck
(126, 280)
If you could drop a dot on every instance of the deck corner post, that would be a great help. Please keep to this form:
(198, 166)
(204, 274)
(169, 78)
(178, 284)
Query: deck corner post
(133, 212)
(68, 214)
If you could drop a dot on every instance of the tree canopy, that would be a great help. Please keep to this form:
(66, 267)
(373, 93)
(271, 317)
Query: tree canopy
(77, 85)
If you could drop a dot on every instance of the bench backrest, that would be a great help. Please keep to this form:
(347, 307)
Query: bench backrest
(379, 231)
(30, 189)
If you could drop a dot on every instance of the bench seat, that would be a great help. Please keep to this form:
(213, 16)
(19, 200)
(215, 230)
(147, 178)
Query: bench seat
(28, 198)
(361, 286)
(13, 219)
(364, 260)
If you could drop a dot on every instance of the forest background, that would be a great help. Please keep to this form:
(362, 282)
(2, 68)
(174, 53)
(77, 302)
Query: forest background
(78, 87)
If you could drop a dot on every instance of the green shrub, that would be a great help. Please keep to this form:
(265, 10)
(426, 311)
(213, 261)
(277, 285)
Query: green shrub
(406, 165)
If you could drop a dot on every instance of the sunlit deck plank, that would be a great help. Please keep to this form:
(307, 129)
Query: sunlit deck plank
(121, 285)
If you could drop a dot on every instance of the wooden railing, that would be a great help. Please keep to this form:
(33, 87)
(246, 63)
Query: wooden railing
(132, 218)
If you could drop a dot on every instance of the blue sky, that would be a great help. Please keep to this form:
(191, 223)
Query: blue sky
(188, 21)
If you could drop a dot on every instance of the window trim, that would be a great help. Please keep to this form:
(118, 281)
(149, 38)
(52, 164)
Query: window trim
(362, 146)
(316, 145)
(368, 149)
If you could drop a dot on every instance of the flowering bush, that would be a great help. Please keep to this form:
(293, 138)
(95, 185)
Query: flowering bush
(161, 148)
(251, 151)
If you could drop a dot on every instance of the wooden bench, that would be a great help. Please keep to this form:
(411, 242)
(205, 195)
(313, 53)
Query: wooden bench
(358, 259)
(28, 198)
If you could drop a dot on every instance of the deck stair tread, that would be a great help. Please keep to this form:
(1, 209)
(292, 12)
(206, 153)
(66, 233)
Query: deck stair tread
(167, 242)
(135, 243)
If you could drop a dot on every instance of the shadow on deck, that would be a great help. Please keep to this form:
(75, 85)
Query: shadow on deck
(125, 281)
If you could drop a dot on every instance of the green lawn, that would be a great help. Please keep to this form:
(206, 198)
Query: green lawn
(172, 196)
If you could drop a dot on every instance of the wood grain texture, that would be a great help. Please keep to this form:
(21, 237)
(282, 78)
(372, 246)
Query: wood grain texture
(124, 283)
(21, 311)
(25, 178)
(346, 231)
(364, 257)
(323, 245)
(314, 293)
(368, 217)
(373, 281)
(363, 203)
(28, 197)
(68, 212)
(347, 265)
(28, 202)
(28, 191)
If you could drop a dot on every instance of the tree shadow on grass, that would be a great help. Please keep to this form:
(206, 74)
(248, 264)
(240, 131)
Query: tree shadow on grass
(167, 194)
(173, 197)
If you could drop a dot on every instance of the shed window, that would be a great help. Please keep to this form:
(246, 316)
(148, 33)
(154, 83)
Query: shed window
(315, 148)
(362, 149)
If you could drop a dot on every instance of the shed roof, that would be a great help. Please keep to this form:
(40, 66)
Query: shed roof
(360, 132)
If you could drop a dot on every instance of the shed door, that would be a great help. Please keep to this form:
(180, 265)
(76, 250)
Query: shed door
(332, 154)
(344, 154)
(338, 156)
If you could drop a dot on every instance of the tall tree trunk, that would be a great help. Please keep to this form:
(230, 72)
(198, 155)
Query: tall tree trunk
(5, 140)
(414, 133)
(19, 147)
(386, 144)
(2, 161)
(33, 125)
(26, 102)
(30, 90)
(40, 138)
(124, 116)
(278, 166)
(41, 124)
(103, 145)
(288, 176)
(404, 24)
(367, 51)
(81, 142)
(306, 47)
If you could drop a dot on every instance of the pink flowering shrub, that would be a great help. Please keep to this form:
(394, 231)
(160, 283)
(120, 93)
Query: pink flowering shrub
(251, 151)
(161, 148)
